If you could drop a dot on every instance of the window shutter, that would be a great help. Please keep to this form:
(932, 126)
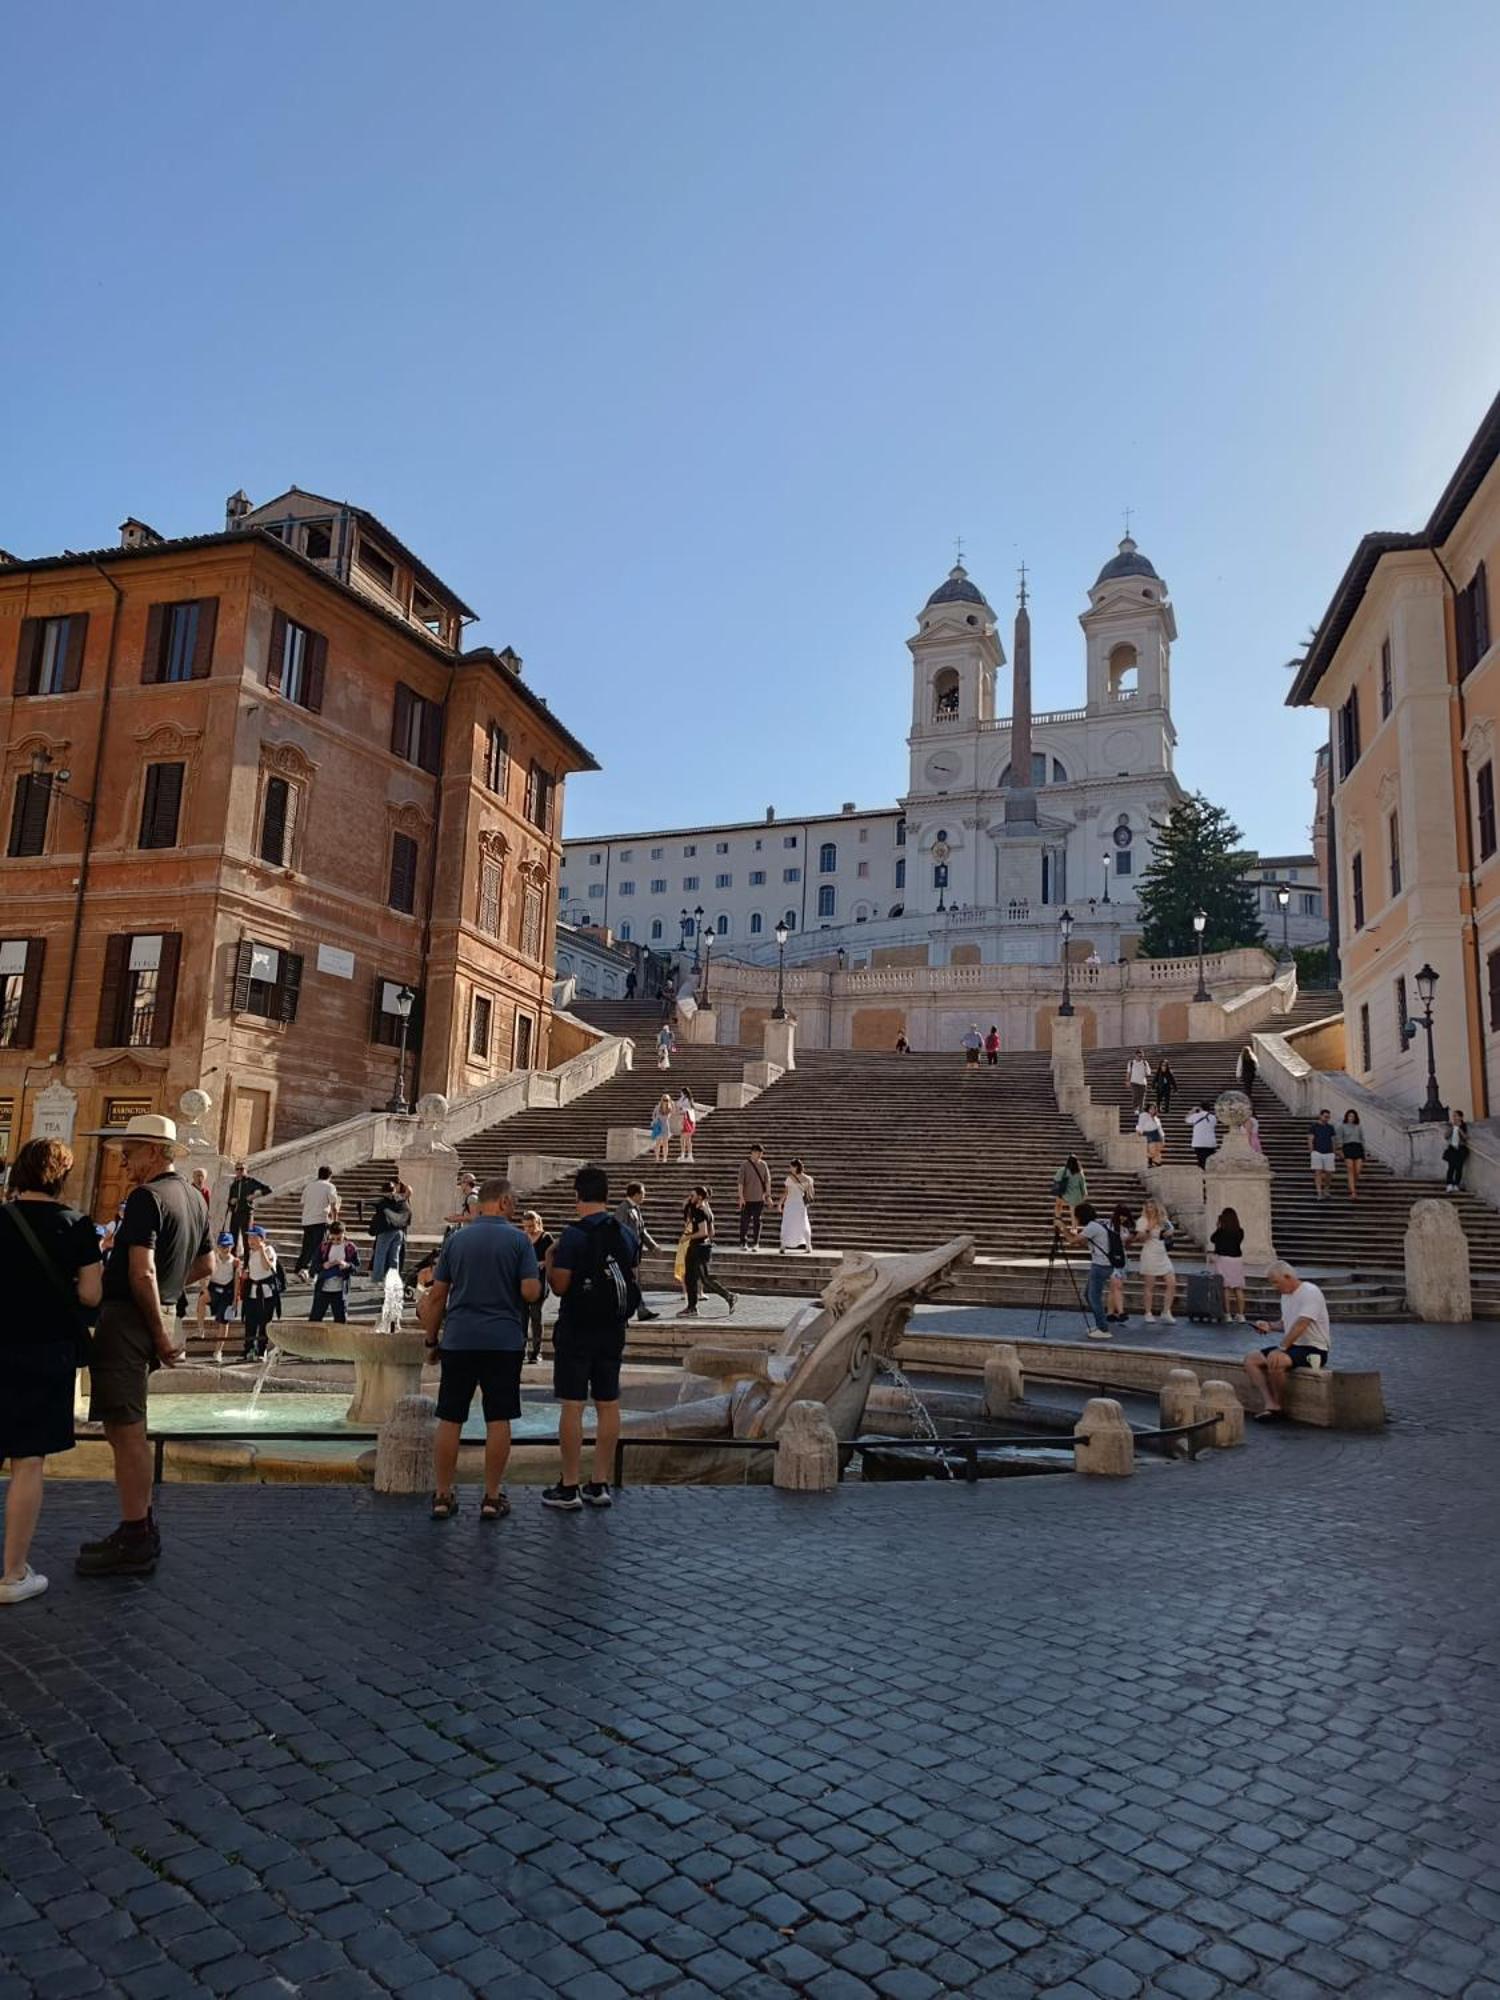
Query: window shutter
(430, 753)
(273, 821)
(312, 678)
(244, 957)
(162, 805)
(401, 719)
(1481, 589)
(156, 632)
(290, 986)
(28, 823)
(403, 893)
(111, 991)
(203, 646)
(166, 990)
(278, 648)
(31, 640)
(31, 993)
(78, 632)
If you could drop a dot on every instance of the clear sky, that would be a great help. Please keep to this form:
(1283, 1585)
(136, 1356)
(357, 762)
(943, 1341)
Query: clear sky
(683, 339)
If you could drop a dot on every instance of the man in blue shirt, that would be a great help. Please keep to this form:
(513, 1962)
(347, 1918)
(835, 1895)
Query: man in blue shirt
(474, 1317)
(592, 1269)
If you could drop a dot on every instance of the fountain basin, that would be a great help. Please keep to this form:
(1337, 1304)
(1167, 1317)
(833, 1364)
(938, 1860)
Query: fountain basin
(387, 1366)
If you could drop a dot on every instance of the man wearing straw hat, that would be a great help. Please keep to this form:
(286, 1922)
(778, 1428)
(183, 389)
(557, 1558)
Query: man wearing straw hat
(160, 1247)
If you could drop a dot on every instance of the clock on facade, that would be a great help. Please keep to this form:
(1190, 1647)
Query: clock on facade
(942, 767)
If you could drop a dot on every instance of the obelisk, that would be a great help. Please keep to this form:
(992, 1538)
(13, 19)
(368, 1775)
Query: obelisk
(1020, 794)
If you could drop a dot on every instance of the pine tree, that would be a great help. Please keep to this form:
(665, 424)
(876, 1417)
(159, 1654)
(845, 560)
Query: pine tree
(1198, 864)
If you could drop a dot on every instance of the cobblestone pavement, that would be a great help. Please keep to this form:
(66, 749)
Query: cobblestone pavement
(1223, 1728)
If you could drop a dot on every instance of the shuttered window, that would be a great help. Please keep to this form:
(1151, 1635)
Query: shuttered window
(180, 640)
(1492, 968)
(1349, 746)
(1472, 615)
(540, 786)
(1393, 836)
(1484, 799)
(403, 885)
(21, 962)
(50, 659)
(1364, 1039)
(161, 805)
(496, 758)
(417, 729)
(28, 817)
(490, 884)
(267, 981)
(278, 822)
(531, 922)
(296, 662)
(1387, 691)
(138, 990)
(481, 1010)
(525, 1040)
(1357, 884)
(385, 1016)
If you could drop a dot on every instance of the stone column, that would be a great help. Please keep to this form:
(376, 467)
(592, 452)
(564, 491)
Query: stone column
(1067, 1052)
(1437, 1263)
(1177, 1399)
(1004, 1383)
(807, 1450)
(1238, 1177)
(430, 1175)
(780, 1043)
(1218, 1399)
(702, 1026)
(403, 1451)
(1105, 1445)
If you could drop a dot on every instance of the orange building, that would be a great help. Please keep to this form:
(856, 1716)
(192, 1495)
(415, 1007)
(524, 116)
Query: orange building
(257, 798)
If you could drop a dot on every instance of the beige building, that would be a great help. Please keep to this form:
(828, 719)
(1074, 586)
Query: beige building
(1403, 661)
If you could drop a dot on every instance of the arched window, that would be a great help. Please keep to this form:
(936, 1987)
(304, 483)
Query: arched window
(1124, 666)
(625, 932)
(826, 900)
(828, 858)
(945, 694)
(755, 924)
(790, 920)
(861, 913)
(901, 873)
(721, 926)
(655, 929)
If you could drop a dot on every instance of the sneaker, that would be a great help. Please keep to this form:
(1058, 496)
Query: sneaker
(124, 1553)
(1100, 1333)
(28, 1584)
(1169, 1319)
(646, 1313)
(688, 1312)
(596, 1493)
(567, 1498)
(1151, 1319)
(734, 1299)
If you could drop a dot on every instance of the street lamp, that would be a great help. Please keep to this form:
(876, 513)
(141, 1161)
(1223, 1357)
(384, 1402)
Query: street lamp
(708, 945)
(404, 1001)
(1432, 1112)
(1065, 925)
(1106, 874)
(697, 936)
(1284, 899)
(1200, 925)
(778, 1012)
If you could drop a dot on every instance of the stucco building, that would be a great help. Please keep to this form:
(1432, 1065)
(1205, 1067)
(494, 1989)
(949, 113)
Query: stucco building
(1405, 664)
(255, 789)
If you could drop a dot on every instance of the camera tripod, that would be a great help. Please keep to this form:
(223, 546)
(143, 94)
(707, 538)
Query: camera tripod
(1057, 1257)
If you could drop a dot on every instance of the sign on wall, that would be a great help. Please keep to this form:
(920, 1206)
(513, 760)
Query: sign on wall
(53, 1112)
(333, 960)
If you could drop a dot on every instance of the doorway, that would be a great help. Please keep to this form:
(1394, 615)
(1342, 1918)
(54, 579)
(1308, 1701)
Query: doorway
(249, 1123)
(110, 1183)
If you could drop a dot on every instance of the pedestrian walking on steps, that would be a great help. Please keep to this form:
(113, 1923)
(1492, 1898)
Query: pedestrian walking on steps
(687, 1124)
(992, 1046)
(754, 1193)
(1138, 1077)
(239, 1204)
(1456, 1152)
(1154, 1232)
(260, 1292)
(668, 1001)
(1352, 1146)
(1228, 1245)
(320, 1206)
(1246, 1070)
(666, 1041)
(50, 1277)
(593, 1272)
(1305, 1341)
(630, 1214)
(467, 1204)
(1163, 1083)
(541, 1241)
(661, 1130)
(1321, 1143)
(1069, 1187)
(973, 1042)
(1121, 1226)
(338, 1260)
(1086, 1231)
(796, 1205)
(630, 985)
(390, 1218)
(1148, 1126)
(1204, 1127)
(698, 1215)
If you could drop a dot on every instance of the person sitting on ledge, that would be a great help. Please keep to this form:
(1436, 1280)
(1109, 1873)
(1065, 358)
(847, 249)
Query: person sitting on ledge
(1304, 1342)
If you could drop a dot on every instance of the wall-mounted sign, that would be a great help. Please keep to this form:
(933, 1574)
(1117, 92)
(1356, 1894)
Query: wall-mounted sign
(338, 964)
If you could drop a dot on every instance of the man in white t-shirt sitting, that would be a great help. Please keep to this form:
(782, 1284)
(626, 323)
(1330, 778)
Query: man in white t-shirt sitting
(1304, 1341)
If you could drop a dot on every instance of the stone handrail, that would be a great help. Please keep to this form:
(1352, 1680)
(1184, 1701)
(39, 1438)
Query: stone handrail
(1247, 967)
(1235, 1019)
(1393, 1135)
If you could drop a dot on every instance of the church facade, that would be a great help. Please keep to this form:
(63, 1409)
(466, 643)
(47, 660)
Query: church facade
(1008, 817)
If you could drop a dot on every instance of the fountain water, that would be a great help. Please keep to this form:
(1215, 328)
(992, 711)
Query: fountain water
(922, 1425)
(272, 1356)
(392, 1301)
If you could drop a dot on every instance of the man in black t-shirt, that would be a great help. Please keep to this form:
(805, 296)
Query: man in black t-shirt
(591, 1268)
(161, 1247)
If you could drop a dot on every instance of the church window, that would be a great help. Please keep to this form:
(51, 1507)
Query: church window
(625, 932)
(828, 858)
(755, 924)
(757, 878)
(1122, 861)
(826, 900)
(789, 920)
(689, 884)
(655, 928)
(658, 885)
(723, 881)
(1124, 665)
(791, 874)
(721, 926)
(945, 694)
(627, 889)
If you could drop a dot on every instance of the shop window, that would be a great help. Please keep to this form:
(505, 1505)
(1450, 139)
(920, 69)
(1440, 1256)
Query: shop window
(138, 990)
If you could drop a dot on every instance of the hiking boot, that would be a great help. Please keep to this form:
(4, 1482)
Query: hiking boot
(596, 1493)
(568, 1498)
(127, 1552)
(152, 1527)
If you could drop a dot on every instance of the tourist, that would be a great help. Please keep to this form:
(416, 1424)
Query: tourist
(1154, 1232)
(1148, 1126)
(338, 1260)
(698, 1215)
(661, 1130)
(474, 1319)
(668, 1004)
(1252, 1133)
(1246, 1070)
(1204, 1127)
(630, 985)
(320, 1206)
(239, 1204)
(629, 1214)
(687, 1116)
(1321, 1140)
(992, 1046)
(973, 1042)
(903, 1046)
(50, 1278)
(161, 1246)
(1352, 1146)
(541, 1240)
(1228, 1245)
(468, 1204)
(390, 1218)
(1086, 1228)
(1138, 1077)
(666, 1041)
(754, 1193)
(1163, 1083)
(1456, 1152)
(224, 1279)
(261, 1284)
(593, 1273)
(1305, 1341)
(796, 1202)
(1121, 1225)
(1093, 963)
(1069, 1187)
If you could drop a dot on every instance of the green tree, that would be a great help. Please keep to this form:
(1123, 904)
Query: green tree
(1198, 865)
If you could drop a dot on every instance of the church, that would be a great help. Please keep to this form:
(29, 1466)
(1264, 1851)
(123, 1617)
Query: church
(1007, 818)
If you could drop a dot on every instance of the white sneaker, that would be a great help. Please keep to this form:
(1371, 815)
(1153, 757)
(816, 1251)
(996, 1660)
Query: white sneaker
(1168, 1319)
(1151, 1319)
(1100, 1333)
(28, 1584)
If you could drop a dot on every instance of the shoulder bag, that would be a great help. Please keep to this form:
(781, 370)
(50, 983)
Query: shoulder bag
(66, 1295)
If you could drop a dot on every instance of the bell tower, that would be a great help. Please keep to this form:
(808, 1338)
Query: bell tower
(1129, 628)
(956, 655)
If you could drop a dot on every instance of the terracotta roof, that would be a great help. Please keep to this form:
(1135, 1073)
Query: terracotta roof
(430, 577)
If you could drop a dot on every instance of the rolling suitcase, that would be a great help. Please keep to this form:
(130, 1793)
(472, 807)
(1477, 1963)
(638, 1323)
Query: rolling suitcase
(1205, 1295)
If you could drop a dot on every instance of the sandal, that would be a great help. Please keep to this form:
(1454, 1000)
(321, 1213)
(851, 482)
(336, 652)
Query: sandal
(494, 1507)
(444, 1506)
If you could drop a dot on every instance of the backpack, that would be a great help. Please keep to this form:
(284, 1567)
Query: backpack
(604, 1293)
(1116, 1248)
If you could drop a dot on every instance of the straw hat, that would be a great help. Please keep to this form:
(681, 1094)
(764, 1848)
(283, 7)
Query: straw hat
(145, 1125)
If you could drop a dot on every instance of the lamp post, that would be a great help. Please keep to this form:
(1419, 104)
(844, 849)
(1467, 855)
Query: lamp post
(404, 1001)
(1432, 1112)
(1200, 925)
(1284, 899)
(708, 945)
(1106, 874)
(778, 1012)
(697, 936)
(1065, 925)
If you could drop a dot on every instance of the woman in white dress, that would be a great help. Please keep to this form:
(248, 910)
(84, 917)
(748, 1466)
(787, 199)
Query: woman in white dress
(1154, 1232)
(796, 1225)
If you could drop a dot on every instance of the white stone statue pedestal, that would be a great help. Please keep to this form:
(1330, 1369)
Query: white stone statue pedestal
(1238, 1177)
(779, 1044)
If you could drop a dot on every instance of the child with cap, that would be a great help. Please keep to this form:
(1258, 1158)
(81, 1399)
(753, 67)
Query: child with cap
(223, 1279)
(260, 1290)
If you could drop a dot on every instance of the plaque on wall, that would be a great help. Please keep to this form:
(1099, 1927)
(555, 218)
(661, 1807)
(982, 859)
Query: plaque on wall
(53, 1112)
(333, 960)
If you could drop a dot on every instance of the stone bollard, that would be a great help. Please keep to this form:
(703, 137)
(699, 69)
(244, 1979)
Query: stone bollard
(1004, 1383)
(403, 1451)
(1217, 1399)
(1105, 1445)
(1437, 1263)
(807, 1451)
(1178, 1399)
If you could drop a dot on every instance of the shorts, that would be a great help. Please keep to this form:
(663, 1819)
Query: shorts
(971, 1055)
(586, 1365)
(495, 1374)
(1322, 1163)
(121, 1357)
(1301, 1357)
(1354, 1150)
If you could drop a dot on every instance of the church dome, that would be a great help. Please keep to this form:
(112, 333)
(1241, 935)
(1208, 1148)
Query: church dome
(1129, 562)
(959, 589)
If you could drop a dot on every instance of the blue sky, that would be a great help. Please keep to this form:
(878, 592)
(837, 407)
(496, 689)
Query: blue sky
(683, 339)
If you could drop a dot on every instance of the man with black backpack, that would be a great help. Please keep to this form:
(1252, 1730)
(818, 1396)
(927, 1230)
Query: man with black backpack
(592, 1269)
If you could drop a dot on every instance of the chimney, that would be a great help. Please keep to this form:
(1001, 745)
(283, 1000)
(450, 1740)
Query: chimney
(7, 557)
(770, 814)
(236, 507)
(510, 659)
(847, 806)
(135, 534)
